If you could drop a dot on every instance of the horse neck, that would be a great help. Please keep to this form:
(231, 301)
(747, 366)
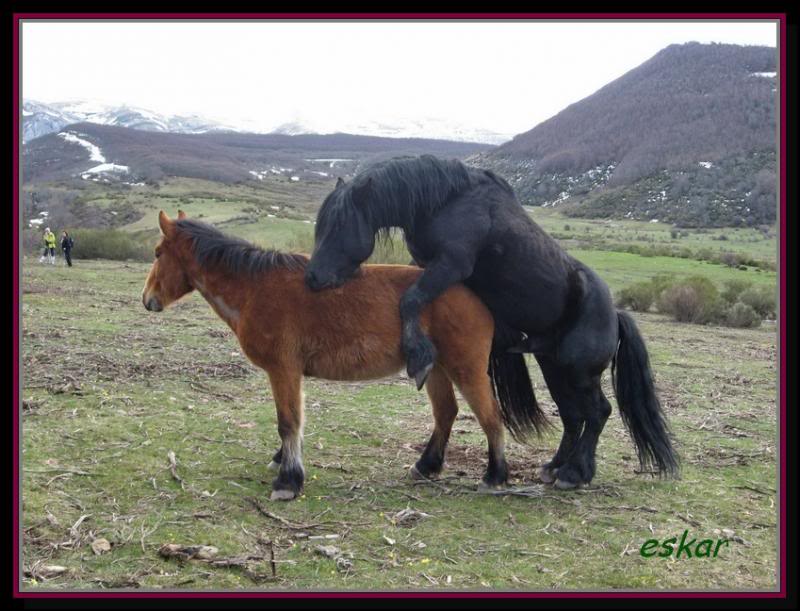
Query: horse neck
(225, 292)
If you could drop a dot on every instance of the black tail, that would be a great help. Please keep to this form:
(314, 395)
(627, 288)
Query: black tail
(638, 404)
(512, 387)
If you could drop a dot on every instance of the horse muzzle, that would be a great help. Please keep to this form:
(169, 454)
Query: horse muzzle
(152, 304)
(317, 283)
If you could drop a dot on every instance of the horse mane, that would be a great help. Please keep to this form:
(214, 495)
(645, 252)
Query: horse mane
(211, 247)
(394, 192)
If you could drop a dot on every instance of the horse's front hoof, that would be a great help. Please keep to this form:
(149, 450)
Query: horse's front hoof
(282, 495)
(566, 485)
(547, 475)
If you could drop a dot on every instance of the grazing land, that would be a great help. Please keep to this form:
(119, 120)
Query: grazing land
(146, 429)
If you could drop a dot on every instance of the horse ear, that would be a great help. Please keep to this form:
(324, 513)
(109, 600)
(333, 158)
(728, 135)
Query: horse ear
(362, 192)
(181, 215)
(339, 182)
(167, 225)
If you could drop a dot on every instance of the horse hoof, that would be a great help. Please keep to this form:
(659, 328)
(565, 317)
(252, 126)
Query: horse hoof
(548, 476)
(415, 474)
(564, 485)
(484, 487)
(274, 466)
(282, 495)
(421, 376)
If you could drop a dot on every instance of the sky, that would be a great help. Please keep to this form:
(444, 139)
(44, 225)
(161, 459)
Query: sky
(504, 77)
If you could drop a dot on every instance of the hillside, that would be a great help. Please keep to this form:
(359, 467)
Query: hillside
(90, 175)
(688, 137)
(224, 157)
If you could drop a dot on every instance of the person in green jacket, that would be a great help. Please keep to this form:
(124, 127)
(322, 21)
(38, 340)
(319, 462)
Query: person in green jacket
(49, 247)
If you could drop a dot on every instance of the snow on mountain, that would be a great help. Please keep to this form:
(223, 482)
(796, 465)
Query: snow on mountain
(94, 155)
(39, 119)
(435, 128)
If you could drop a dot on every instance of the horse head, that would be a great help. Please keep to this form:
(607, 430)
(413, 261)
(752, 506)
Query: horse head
(343, 237)
(168, 280)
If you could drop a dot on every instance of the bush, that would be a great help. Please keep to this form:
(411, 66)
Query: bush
(391, 250)
(762, 299)
(743, 316)
(637, 297)
(641, 295)
(109, 244)
(695, 300)
(730, 259)
(734, 288)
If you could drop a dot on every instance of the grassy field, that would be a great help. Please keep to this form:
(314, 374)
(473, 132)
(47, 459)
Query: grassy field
(111, 392)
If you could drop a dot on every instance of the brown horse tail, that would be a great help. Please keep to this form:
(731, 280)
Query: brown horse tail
(511, 383)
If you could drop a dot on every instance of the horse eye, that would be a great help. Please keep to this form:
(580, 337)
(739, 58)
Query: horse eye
(158, 254)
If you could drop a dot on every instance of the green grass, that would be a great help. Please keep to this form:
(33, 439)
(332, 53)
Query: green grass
(111, 389)
(615, 233)
(620, 269)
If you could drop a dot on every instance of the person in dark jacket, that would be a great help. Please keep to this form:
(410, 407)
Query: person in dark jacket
(66, 247)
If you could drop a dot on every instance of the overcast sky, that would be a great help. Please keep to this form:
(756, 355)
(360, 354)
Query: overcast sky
(505, 77)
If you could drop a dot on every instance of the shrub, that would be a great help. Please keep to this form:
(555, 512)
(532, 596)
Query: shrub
(694, 299)
(567, 227)
(637, 297)
(734, 288)
(743, 316)
(109, 244)
(762, 299)
(729, 258)
(390, 250)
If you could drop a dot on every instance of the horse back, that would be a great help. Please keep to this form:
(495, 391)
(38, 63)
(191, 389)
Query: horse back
(353, 332)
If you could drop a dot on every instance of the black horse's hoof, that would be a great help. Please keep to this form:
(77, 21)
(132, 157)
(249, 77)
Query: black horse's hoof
(422, 376)
(421, 359)
(570, 476)
(283, 495)
(547, 474)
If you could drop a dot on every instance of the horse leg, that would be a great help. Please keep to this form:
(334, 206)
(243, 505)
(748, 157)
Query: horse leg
(476, 389)
(443, 272)
(275, 464)
(581, 356)
(445, 409)
(286, 388)
(556, 378)
(579, 467)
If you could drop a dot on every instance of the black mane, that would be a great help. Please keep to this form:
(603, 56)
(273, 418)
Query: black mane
(392, 193)
(213, 248)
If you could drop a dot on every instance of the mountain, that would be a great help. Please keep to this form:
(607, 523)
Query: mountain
(688, 137)
(430, 128)
(106, 153)
(39, 119)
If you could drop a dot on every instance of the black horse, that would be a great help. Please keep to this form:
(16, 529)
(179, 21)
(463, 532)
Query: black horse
(464, 224)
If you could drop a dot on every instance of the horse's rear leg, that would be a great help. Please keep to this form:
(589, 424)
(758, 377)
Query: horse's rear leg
(584, 411)
(571, 418)
(580, 466)
(445, 409)
(477, 391)
(286, 389)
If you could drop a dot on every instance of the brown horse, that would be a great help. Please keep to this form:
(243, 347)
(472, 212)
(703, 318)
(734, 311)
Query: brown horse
(351, 333)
